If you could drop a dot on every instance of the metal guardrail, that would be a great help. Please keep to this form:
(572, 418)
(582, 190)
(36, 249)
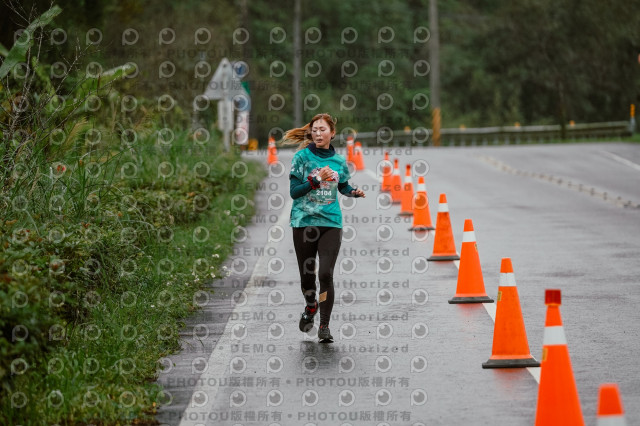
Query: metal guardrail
(494, 135)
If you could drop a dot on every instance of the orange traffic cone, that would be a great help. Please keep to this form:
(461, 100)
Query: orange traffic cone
(407, 194)
(272, 156)
(420, 204)
(396, 183)
(387, 170)
(470, 282)
(510, 344)
(558, 402)
(350, 149)
(357, 157)
(444, 247)
(610, 411)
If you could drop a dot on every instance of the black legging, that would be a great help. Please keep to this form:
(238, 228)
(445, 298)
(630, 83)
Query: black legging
(325, 241)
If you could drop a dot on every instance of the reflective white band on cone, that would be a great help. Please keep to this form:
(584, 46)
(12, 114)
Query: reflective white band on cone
(612, 420)
(554, 336)
(422, 187)
(443, 208)
(469, 237)
(507, 279)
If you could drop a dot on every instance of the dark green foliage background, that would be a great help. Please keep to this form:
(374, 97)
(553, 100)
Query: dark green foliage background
(534, 62)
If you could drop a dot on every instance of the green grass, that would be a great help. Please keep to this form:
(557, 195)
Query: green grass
(115, 320)
(110, 222)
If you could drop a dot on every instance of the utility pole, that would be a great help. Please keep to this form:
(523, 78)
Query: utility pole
(297, 48)
(246, 57)
(434, 76)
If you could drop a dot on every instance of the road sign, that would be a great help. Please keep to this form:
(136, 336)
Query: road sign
(224, 84)
(241, 136)
(227, 89)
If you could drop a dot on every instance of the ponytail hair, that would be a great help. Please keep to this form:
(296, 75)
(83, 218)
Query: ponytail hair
(301, 136)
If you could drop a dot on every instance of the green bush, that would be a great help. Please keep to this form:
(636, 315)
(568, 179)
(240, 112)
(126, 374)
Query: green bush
(98, 260)
(88, 279)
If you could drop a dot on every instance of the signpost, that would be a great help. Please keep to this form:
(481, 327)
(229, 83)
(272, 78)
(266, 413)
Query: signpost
(226, 87)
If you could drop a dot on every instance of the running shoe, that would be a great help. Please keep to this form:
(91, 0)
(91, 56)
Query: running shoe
(306, 319)
(324, 334)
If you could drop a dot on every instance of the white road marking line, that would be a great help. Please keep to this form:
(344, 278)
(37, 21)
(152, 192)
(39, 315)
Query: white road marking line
(491, 310)
(219, 359)
(535, 372)
(622, 160)
(372, 174)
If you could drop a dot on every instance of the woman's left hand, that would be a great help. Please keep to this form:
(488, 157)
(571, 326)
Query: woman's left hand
(358, 193)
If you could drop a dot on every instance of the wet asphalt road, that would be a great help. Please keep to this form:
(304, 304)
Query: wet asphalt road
(403, 355)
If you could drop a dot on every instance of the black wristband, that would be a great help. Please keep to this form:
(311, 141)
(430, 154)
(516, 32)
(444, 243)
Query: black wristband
(314, 183)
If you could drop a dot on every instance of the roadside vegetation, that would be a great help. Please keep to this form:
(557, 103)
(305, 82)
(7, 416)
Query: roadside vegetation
(112, 222)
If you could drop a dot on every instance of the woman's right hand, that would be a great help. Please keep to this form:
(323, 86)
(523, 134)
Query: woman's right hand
(325, 173)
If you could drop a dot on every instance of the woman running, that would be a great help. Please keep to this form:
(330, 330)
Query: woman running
(317, 174)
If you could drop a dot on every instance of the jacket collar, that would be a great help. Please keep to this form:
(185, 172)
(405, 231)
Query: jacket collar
(312, 147)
